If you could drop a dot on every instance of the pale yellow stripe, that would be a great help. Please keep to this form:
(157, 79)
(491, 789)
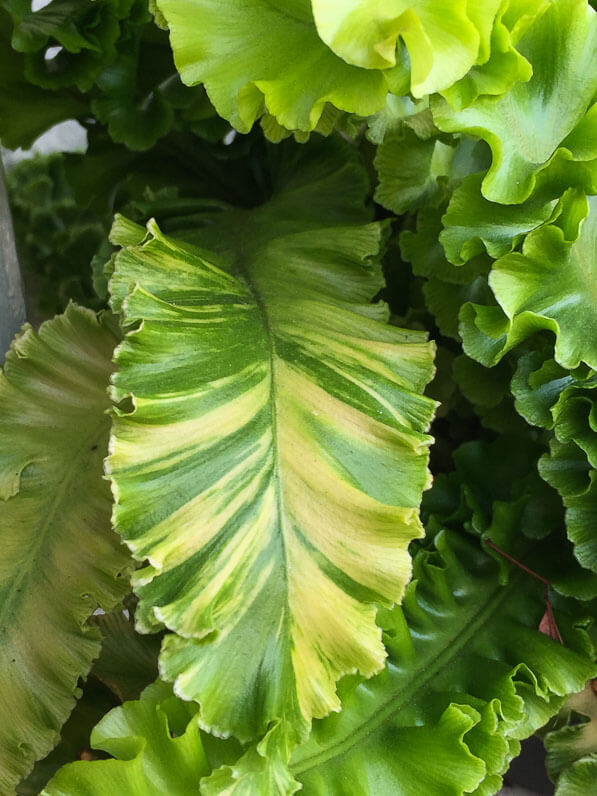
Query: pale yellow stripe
(170, 443)
(198, 521)
(332, 633)
(228, 573)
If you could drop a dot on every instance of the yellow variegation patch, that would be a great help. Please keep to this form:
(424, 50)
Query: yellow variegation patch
(271, 469)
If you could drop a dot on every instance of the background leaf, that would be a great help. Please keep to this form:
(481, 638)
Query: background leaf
(442, 40)
(260, 56)
(156, 746)
(26, 111)
(550, 285)
(128, 661)
(61, 559)
(528, 124)
(447, 686)
(572, 748)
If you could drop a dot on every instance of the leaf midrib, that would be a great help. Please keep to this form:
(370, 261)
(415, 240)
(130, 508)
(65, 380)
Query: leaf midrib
(396, 701)
(244, 263)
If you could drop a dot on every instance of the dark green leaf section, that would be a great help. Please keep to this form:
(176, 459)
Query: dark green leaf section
(26, 110)
(572, 746)
(446, 288)
(128, 661)
(94, 58)
(56, 237)
(310, 188)
(495, 493)
(61, 559)
(83, 32)
(566, 468)
(553, 397)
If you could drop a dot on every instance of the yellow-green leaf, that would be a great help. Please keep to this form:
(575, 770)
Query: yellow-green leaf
(271, 468)
(60, 559)
(442, 40)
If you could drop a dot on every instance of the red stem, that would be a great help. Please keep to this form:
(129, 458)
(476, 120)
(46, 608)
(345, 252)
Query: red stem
(517, 563)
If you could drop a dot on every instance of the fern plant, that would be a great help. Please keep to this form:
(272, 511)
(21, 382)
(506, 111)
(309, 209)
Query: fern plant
(301, 495)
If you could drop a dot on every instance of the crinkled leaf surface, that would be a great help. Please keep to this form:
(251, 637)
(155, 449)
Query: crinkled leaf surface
(473, 225)
(64, 22)
(446, 288)
(84, 31)
(26, 111)
(572, 749)
(448, 687)
(156, 746)
(487, 389)
(422, 248)
(140, 96)
(60, 558)
(548, 395)
(55, 237)
(263, 768)
(468, 674)
(277, 397)
(130, 99)
(442, 40)
(91, 707)
(567, 469)
(496, 493)
(499, 64)
(262, 55)
(412, 172)
(551, 285)
(392, 116)
(527, 125)
(415, 169)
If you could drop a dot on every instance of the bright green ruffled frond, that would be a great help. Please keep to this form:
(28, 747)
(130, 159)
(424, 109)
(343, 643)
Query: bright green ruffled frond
(550, 285)
(546, 121)
(155, 746)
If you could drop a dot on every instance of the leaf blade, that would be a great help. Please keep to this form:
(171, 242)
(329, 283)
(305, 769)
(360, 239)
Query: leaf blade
(362, 362)
(61, 558)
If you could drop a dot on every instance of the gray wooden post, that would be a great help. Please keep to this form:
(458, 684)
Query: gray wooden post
(12, 301)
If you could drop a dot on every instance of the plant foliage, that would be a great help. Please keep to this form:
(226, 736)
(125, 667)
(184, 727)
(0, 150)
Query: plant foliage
(325, 231)
(61, 557)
